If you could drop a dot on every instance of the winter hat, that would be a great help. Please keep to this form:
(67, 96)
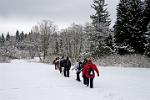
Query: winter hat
(90, 61)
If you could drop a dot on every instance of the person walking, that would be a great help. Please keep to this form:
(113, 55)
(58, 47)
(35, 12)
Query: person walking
(67, 66)
(78, 68)
(89, 71)
(62, 62)
(54, 62)
(57, 65)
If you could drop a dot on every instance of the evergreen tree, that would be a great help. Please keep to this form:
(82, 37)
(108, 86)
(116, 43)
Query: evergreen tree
(3, 39)
(147, 35)
(17, 36)
(146, 15)
(7, 37)
(146, 25)
(0, 40)
(25, 35)
(22, 36)
(120, 28)
(101, 22)
(128, 29)
(101, 15)
(109, 41)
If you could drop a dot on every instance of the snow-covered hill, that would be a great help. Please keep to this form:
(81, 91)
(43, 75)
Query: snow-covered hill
(24, 80)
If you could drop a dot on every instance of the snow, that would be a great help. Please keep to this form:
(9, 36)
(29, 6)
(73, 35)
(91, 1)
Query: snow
(27, 80)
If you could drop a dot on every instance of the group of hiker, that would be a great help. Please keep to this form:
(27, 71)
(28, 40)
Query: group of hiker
(63, 65)
(87, 68)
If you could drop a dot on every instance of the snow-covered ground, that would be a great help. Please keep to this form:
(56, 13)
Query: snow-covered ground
(24, 80)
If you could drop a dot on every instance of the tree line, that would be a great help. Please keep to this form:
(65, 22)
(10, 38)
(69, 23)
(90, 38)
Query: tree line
(130, 35)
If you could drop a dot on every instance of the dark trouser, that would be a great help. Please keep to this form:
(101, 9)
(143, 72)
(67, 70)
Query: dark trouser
(91, 82)
(60, 69)
(66, 72)
(85, 80)
(78, 76)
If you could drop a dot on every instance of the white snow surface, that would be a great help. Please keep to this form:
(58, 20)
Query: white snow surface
(27, 80)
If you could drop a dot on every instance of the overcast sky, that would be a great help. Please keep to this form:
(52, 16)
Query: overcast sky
(23, 14)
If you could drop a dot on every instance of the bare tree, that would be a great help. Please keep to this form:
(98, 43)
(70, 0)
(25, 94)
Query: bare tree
(46, 28)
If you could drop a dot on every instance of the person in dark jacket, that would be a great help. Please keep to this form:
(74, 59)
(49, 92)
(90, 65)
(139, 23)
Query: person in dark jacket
(62, 64)
(67, 66)
(88, 71)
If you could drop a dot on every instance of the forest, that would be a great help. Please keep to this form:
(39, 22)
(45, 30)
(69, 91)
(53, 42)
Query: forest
(128, 39)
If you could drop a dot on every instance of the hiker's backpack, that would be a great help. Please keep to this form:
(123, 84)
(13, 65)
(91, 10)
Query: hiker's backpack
(62, 62)
(80, 66)
(91, 71)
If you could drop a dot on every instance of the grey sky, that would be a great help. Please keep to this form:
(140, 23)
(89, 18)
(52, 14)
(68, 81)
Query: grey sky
(23, 14)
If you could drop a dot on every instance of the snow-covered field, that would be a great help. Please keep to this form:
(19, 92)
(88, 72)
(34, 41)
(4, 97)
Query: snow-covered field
(24, 80)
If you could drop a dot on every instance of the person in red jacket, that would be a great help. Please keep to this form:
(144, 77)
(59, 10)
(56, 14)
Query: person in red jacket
(89, 71)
